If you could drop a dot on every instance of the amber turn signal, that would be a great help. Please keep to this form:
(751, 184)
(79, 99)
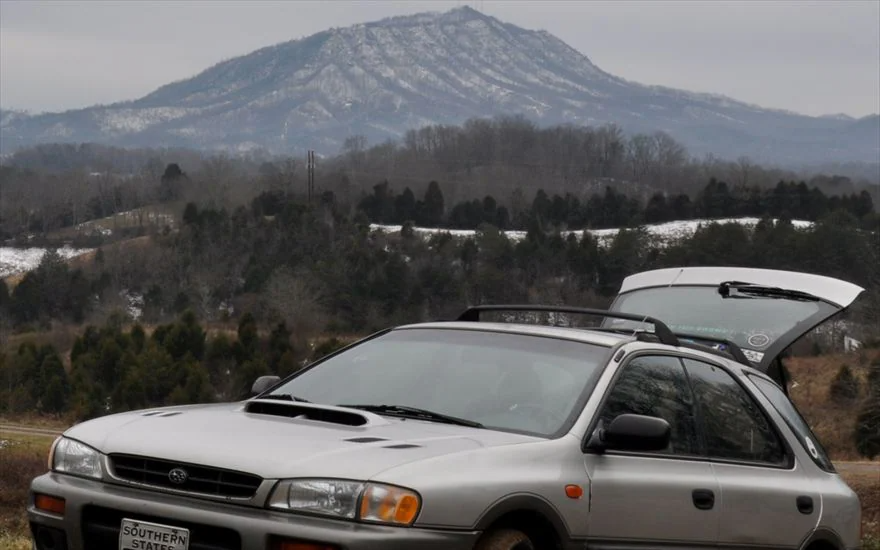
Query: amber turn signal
(574, 491)
(46, 503)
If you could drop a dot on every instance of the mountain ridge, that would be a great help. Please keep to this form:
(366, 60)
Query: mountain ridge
(384, 77)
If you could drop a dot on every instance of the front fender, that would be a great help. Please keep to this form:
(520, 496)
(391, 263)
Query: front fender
(527, 502)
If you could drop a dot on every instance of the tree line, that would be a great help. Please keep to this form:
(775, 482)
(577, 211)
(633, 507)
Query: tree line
(612, 208)
(114, 370)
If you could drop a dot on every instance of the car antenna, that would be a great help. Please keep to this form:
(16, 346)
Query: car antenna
(672, 282)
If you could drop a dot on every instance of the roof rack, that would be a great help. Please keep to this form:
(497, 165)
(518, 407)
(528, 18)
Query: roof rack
(732, 348)
(733, 351)
(663, 333)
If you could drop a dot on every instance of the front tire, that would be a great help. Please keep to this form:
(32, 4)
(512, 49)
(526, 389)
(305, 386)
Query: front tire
(505, 539)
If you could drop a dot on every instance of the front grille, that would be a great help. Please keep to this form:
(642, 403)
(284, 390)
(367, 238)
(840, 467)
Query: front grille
(100, 529)
(199, 479)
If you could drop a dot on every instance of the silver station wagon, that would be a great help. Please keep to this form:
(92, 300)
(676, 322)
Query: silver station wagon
(666, 423)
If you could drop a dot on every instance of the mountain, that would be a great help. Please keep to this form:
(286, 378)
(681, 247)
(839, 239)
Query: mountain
(382, 78)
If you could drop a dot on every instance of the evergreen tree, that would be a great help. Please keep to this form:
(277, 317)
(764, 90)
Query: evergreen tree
(844, 388)
(434, 207)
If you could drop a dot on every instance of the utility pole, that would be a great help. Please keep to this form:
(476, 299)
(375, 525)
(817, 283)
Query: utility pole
(311, 165)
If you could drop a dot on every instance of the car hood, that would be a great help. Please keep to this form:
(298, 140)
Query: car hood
(283, 442)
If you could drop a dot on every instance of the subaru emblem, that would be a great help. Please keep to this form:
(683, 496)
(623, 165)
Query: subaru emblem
(178, 476)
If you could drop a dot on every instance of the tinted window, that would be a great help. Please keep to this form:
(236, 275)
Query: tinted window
(795, 421)
(656, 386)
(753, 324)
(733, 425)
(505, 381)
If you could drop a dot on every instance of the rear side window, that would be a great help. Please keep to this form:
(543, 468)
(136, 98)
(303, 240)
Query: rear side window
(795, 421)
(734, 426)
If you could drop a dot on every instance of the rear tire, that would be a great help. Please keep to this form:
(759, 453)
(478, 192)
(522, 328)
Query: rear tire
(505, 539)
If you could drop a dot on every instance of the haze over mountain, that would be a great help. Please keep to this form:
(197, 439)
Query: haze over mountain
(382, 78)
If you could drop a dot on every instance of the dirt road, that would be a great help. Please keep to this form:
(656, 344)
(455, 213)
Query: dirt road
(26, 430)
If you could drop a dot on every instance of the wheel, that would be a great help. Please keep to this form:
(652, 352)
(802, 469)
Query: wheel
(505, 539)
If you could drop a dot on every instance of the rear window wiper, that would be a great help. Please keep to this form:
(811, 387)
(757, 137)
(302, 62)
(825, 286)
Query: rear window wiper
(414, 412)
(283, 397)
(749, 290)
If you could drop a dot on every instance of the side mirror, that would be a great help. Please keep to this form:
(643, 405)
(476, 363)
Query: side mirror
(263, 383)
(632, 432)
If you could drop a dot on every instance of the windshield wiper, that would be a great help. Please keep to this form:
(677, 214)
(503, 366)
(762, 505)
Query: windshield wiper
(414, 412)
(283, 397)
(749, 290)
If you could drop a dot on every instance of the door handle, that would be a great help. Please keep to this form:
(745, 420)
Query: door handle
(805, 505)
(704, 499)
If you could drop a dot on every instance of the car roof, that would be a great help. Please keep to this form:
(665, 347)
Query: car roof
(585, 335)
(578, 334)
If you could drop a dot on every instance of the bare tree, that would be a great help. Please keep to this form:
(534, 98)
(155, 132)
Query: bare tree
(293, 299)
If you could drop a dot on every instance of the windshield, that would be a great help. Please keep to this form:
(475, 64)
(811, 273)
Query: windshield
(753, 323)
(509, 382)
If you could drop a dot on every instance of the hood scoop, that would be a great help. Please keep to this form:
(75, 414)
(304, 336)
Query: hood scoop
(369, 439)
(162, 414)
(306, 412)
(365, 439)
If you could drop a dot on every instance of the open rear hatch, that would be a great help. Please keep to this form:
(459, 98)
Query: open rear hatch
(762, 311)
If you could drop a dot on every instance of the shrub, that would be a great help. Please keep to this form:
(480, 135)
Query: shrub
(845, 386)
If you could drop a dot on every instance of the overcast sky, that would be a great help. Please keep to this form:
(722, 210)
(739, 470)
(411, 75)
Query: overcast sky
(810, 57)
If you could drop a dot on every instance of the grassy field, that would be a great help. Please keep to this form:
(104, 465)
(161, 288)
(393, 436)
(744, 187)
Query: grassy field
(140, 217)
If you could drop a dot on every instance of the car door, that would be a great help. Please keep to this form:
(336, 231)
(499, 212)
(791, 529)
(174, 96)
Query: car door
(767, 500)
(663, 499)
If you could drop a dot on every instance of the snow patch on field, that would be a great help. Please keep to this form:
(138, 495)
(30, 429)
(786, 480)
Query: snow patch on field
(22, 260)
(664, 231)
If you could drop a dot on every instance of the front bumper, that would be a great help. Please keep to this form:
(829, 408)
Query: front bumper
(256, 527)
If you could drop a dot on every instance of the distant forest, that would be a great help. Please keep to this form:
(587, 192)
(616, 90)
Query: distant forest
(49, 187)
(320, 268)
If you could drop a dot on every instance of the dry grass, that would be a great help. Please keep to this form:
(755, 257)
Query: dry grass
(867, 485)
(21, 459)
(14, 542)
(833, 424)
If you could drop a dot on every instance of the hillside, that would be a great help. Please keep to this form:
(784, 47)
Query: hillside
(383, 78)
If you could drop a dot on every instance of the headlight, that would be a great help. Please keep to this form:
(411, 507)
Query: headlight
(321, 496)
(72, 457)
(372, 502)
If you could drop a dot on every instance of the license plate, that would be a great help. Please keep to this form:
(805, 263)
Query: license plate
(142, 535)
